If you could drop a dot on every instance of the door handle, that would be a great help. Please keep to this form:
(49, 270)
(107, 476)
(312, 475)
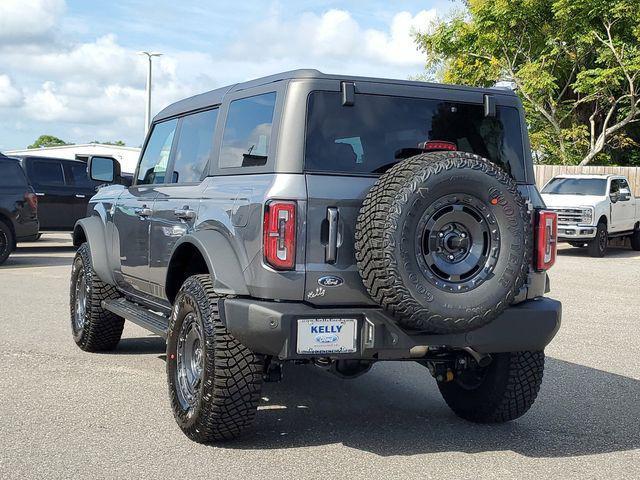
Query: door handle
(39, 194)
(185, 213)
(79, 195)
(143, 212)
(331, 248)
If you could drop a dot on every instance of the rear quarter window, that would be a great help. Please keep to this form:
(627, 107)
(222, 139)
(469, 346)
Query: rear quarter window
(377, 130)
(247, 131)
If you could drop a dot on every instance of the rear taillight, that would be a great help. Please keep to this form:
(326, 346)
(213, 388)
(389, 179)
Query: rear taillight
(280, 234)
(546, 239)
(434, 145)
(32, 200)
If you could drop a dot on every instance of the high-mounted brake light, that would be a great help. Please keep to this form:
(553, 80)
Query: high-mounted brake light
(432, 145)
(32, 200)
(280, 234)
(546, 239)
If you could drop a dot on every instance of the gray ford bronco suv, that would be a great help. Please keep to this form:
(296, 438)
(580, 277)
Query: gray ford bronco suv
(329, 220)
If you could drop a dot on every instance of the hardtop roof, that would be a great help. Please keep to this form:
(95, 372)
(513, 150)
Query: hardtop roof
(215, 97)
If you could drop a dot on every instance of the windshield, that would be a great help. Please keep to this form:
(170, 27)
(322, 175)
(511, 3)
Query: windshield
(379, 130)
(576, 186)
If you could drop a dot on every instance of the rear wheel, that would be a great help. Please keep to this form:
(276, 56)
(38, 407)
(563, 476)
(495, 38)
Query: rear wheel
(94, 328)
(7, 242)
(214, 380)
(598, 246)
(500, 392)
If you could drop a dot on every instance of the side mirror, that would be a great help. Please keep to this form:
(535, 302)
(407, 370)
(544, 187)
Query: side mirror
(614, 196)
(103, 169)
(625, 194)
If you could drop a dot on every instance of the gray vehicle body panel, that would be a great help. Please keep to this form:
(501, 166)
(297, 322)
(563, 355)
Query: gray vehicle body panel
(135, 253)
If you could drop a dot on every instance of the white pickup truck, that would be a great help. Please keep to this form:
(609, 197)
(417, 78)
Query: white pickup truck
(593, 209)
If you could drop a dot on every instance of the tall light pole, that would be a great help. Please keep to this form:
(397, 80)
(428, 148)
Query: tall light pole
(147, 110)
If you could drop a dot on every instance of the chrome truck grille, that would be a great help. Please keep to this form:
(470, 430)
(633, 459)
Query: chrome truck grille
(568, 216)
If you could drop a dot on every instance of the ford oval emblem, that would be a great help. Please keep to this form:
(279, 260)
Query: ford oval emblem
(326, 338)
(330, 281)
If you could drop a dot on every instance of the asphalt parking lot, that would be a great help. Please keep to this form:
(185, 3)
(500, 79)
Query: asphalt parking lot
(68, 414)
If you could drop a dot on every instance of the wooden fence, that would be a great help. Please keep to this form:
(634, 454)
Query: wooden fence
(544, 173)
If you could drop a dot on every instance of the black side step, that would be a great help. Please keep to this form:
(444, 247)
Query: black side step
(154, 322)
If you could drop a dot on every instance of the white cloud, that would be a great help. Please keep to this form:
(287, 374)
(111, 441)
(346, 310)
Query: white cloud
(10, 96)
(95, 89)
(335, 36)
(28, 20)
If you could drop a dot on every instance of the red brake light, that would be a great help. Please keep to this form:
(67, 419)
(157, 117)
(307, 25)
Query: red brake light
(32, 200)
(546, 239)
(432, 145)
(280, 234)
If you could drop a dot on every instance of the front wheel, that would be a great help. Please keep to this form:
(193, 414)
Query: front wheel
(214, 380)
(94, 328)
(635, 240)
(500, 392)
(598, 246)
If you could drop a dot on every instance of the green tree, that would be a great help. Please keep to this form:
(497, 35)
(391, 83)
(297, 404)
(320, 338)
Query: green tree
(574, 63)
(48, 141)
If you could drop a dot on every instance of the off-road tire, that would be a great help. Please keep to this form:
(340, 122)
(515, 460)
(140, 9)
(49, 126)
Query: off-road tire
(7, 242)
(635, 239)
(387, 229)
(229, 393)
(102, 329)
(507, 391)
(598, 246)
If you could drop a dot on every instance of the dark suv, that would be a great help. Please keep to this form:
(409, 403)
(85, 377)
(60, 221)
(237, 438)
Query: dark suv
(18, 207)
(328, 220)
(63, 189)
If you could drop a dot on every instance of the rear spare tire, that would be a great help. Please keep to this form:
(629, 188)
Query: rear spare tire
(443, 241)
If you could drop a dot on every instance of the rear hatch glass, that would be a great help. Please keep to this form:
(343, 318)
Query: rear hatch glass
(378, 130)
(12, 176)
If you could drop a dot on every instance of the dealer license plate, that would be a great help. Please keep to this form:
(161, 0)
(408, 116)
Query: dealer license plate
(327, 335)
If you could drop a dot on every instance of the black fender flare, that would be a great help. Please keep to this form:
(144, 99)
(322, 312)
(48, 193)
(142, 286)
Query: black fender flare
(91, 230)
(222, 261)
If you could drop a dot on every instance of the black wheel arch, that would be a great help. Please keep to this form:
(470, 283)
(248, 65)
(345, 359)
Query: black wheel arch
(207, 251)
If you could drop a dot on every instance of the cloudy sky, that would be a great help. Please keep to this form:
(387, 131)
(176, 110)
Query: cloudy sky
(70, 68)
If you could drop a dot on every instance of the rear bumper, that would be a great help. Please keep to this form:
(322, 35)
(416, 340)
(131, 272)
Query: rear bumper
(569, 233)
(270, 328)
(26, 229)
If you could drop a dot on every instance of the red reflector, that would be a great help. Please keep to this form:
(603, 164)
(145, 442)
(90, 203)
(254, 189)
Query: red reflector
(32, 200)
(546, 239)
(432, 145)
(280, 234)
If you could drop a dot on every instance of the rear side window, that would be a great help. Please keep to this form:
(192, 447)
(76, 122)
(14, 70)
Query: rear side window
(155, 159)
(247, 132)
(47, 173)
(193, 150)
(78, 175)
(11, 175)
(379, 130)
